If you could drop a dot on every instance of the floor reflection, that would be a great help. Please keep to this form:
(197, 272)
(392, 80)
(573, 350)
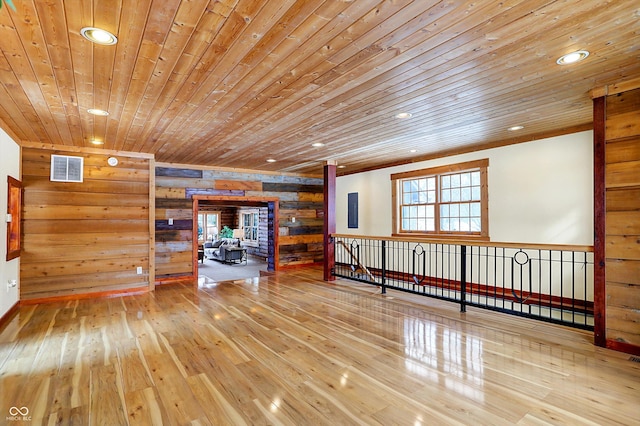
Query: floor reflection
(431, 351)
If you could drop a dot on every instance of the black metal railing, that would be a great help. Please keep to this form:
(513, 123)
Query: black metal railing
(547, 282)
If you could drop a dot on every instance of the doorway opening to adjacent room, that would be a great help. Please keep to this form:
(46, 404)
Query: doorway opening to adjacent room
(236, 237)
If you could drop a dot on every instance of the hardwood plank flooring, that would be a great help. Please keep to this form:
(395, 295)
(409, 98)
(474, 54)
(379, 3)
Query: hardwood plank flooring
(291, 349)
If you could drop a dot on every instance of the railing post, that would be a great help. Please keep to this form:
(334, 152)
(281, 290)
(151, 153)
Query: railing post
(384, 266)
(463, 278)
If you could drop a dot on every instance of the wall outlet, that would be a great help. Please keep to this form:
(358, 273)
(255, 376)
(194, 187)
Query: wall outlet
(139, 270)
(9, 218)
(170, 221)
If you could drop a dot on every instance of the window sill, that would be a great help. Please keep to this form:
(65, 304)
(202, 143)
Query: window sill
(442, 236)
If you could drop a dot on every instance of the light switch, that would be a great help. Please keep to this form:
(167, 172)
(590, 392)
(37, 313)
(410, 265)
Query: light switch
(170, 221)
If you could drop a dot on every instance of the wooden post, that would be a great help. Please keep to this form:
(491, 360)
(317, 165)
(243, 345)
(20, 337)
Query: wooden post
(329, 219)
(599, 215)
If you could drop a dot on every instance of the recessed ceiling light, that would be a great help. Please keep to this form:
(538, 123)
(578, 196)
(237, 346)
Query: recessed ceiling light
(413, 150)
(342, 167)
(270, 160)
(97, 142)
(403, 115)
(98, 36)
(572, 58)
(98, 112)
(514, 128)
(317, 144)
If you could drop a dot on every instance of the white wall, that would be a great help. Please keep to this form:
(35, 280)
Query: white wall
(9, 166)
(539, 192)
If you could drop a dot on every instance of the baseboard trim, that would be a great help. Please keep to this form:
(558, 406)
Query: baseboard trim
(300, 265)
(623, 347)
(81, 296)
(4, 320)
(180, 279)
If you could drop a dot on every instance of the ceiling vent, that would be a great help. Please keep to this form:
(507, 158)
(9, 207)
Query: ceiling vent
(66, 169)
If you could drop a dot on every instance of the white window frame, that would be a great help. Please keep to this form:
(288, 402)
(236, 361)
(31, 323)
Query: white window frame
(204, 214)
(248, 239)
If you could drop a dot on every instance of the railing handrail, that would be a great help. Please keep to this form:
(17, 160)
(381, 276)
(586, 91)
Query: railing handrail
(471, 242)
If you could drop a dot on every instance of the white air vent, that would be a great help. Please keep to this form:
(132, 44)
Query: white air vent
(66, 169)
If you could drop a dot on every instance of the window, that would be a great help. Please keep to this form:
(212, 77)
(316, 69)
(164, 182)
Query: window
(208, 226)
(448, 200)
(250, 221)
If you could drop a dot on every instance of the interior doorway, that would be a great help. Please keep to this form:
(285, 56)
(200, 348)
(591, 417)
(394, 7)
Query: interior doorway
(216, 205)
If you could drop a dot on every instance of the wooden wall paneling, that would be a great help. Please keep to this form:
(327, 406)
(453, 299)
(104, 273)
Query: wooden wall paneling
(282, 196)
(238, 184)
(623, 174)
(623, 247)
(85, 284)
(37, 197)
(622, 218)
(623, 271)
(62, 212)
(313, 197)
(84, 226)
(183, 182)
(90, 186)
(170, 192)
(228, 217)
(89, 237)
(622, 150)
(298, 213)
(178, 172)
(624, 199)
(622, 223)
(67, 267)
(623, 125)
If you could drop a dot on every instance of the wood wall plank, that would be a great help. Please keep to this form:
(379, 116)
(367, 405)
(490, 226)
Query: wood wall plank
(89, 186)
(623, 199)
(624, 296)
(622, 223)
(238, 184)
(87, 237)
(622, 220)
(170, 192)
(623, 324)
(623, 271)
(43, 212)
(623, 174)
(623, 125)
(620, 151)
(36, 197)
(83, 226)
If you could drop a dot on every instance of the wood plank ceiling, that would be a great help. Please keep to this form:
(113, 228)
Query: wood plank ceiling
(235, 82)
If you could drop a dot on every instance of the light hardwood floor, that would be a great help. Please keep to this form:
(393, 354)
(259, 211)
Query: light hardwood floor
(291, 349)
